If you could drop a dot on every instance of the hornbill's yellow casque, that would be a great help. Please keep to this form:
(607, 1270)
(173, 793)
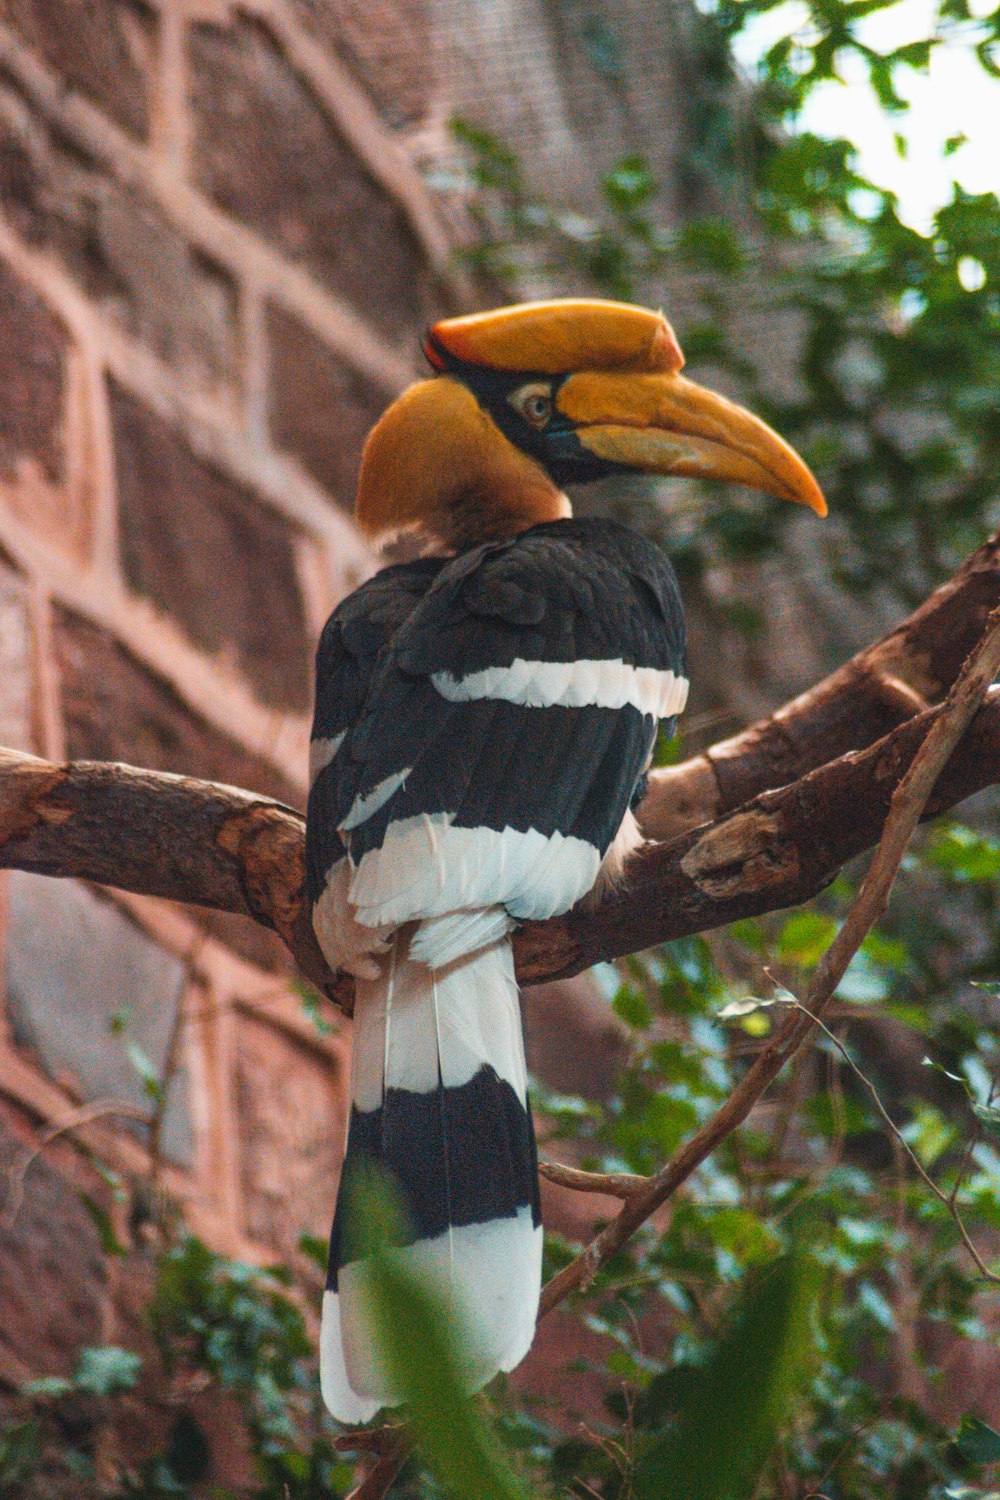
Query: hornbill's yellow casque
(484, 720)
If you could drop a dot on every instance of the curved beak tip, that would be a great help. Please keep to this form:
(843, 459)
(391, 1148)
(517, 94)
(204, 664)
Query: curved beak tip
(809, 493)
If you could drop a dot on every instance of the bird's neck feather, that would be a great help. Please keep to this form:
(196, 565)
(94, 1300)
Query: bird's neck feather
(437, 464)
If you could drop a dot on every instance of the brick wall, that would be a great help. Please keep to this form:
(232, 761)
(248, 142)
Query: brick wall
(215, 259)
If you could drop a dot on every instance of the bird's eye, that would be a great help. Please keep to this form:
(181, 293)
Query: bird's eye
(533, 403)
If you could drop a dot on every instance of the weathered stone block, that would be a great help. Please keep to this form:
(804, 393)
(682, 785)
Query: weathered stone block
(291, 1136)
(32, 346)
(117, 244)
(320, 410)
(16, 690)
(266, 152)
(258, 945)
(207, 550)
(100, 47)
(115, 708)
(73, 963)
(161, 289)
(52, 1272)
(388, 46)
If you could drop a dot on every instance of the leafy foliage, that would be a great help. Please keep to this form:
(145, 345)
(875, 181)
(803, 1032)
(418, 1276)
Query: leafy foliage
(893, 333)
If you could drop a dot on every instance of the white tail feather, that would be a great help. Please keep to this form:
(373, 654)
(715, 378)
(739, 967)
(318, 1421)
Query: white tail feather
(421, 1030)
(441, 940)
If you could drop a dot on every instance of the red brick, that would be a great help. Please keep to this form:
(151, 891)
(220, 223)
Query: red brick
(32, 348)
(266, 152)
(99, 47)
(115, 708)
(387, 45)
(74, 961)
(291, 1136)
(320, 410)
(52, 1272)
(16, 671)
(117, 245)
(205, 548)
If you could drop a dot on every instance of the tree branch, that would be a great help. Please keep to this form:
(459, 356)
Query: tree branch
(882, 686)
(776, 851)
(216, 846)
(753, 850)
(162, 835)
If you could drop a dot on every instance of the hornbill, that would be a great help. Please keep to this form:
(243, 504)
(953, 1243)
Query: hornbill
(484, 720)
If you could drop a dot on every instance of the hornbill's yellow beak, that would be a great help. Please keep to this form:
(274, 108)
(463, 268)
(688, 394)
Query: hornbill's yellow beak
(666, 424)
(597, 387)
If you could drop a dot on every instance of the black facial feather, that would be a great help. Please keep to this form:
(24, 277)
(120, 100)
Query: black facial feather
(555, 446)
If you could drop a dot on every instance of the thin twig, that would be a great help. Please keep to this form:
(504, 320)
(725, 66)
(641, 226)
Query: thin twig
(171, 1061)
(946, 1199)
(908, 802)
(611, 1184)
(82, 1116)
(383, 1472)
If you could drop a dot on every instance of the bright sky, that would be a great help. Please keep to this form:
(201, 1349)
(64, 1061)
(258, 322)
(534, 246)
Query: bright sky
(955, 97)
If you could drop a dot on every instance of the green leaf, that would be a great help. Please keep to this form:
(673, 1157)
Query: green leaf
(48, 1387)
(107, 1371)
(630, 185)
(151, 1080)
(805, 937)
(712, 245)
(313, 1004)
(420, 1347)
(988, 1116)
(633, 1008)
(886, 951)
(728, 1422)
(20, 1452)
(110, 1243)
(964, 854)
(745, 1006)
(928, 1062)
(315, 1248)
(876, 1305)
(977, 1443)
(929, 1133)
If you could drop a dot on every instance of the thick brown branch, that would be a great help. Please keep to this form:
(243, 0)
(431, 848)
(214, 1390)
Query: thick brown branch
(216, 846)
(776, 851)
(160, 835)
(907, 670)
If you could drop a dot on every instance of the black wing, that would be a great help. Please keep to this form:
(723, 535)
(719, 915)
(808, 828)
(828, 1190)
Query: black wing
(350, 649)
(512, 717)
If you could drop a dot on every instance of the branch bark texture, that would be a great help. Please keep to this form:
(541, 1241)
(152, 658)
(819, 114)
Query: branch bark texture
(908, 670)
(757, 823)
